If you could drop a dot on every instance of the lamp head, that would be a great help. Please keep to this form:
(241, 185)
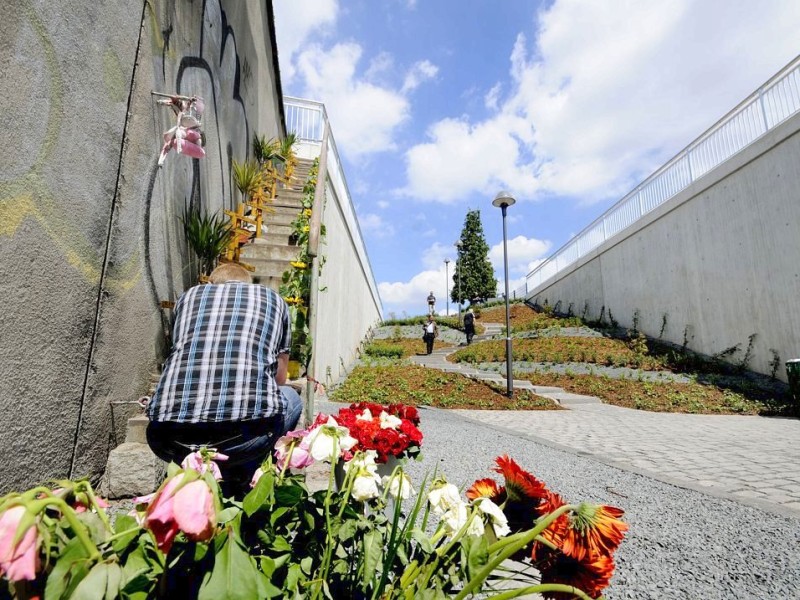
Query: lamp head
(503, 199)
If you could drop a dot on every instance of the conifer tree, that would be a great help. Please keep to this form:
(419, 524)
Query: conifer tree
(473, 266)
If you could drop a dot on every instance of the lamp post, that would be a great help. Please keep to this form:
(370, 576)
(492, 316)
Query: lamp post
(502, 201)
(446, 287)
(459, 266)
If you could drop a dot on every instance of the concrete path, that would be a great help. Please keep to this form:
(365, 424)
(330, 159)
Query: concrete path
(752, 460)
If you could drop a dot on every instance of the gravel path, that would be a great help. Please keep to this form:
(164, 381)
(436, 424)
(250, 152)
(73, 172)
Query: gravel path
(682, 544)
(585, 369)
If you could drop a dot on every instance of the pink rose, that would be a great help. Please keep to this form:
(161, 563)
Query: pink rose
(21, 560)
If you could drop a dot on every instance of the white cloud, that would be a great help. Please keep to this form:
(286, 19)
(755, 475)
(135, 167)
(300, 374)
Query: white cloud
(522, 253)
(419, 73)
(383, 204)
(364, 106)
(295, 20)
(436, 170)
(375, 225)
(364, 115)
(604, 95)
(433, 256)
(410, 296)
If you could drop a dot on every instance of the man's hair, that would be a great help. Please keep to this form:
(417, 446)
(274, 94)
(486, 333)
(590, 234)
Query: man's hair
(230, 272)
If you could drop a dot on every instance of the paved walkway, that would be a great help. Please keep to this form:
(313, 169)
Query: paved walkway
(752, 460)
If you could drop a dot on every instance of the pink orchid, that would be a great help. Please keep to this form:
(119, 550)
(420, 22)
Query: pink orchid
(188, 508)
(21, 560)
(296, 452)
(199, 463)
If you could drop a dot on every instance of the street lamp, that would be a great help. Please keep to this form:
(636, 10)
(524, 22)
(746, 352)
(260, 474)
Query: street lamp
(446, 287)
(502, 201)
(459, 266)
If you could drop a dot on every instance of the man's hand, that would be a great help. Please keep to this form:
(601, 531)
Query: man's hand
(283, 369)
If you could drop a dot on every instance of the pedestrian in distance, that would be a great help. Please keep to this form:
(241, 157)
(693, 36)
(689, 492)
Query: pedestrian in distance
(469, 325)
(430, 333)
(431, 303)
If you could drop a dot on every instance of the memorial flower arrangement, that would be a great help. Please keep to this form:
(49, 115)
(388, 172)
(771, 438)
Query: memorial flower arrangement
(391, 431)
(371, 537)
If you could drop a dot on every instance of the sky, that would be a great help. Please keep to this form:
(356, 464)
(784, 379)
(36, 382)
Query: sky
(437, 105)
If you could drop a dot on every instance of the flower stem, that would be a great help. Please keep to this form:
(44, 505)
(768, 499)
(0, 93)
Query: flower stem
(541, 588)
(69, 514)
(527, 538)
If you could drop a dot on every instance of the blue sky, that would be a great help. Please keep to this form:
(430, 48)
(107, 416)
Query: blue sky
(437, 105)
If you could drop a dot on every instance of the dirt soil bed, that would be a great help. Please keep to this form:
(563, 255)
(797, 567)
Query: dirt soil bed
(663, 396)
(415, 385)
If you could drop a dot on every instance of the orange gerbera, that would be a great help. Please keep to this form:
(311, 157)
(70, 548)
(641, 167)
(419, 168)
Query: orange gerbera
(591, 576)
(484, 488)
(593, 530)
(519, 483)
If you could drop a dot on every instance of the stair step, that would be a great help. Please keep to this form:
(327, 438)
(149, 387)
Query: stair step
(267, 267)
(268, 251)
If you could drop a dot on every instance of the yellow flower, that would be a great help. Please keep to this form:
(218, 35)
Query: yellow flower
(306, 229)
(298, 264)
(306, 212)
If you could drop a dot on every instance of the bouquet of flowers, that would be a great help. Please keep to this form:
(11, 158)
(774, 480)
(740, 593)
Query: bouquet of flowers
(388, 430)
(284, 540)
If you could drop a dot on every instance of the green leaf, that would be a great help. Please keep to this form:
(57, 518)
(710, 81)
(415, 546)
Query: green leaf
(305, 565)
(125, 523)
(257, 497)
(234, 577)
(102, 583)
(94, 525)
(281, 544)
(288, 495)
(373, 552)
(477, 550)
(347, 530)
(423, 540)
(69, 570)
(228, 514)
(277, 514)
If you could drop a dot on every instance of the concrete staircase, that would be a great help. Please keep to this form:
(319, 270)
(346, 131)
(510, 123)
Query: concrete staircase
(271, 254)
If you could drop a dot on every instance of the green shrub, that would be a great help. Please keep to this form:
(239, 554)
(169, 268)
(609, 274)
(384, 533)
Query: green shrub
(384, 350)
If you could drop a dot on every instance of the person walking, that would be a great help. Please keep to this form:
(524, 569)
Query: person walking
(431, 303)
(469, 325)
(430, 333)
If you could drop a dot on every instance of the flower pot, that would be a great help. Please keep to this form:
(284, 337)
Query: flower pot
(294, 369)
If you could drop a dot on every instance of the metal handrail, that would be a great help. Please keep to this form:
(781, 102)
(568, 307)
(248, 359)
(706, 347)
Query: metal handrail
(771, 104)
(307, 119)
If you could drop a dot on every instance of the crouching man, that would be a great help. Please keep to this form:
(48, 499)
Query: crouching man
(223, 382)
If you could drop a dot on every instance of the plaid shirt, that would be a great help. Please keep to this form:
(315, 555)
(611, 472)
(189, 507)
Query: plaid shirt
(226, 341)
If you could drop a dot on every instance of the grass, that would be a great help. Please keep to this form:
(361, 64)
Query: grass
(717, 387)
(665, 396)
(400, 348)
(419, 386)
(595, 350)
(524, 318)
(451, 322)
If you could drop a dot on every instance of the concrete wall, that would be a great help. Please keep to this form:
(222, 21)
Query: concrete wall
(90, 236)
(349, 306)
(721, 259)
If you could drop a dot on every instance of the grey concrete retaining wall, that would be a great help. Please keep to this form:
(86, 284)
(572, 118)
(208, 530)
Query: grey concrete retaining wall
(721, 259)
(90, 236)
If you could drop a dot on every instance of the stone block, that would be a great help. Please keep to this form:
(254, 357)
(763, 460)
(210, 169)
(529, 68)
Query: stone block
(132, 470)
(136, 430)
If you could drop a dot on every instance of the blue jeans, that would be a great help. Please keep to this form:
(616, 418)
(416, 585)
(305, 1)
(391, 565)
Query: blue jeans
(246, 443)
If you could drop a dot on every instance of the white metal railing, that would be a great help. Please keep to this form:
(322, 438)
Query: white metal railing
(771, 104)
(307, 118)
